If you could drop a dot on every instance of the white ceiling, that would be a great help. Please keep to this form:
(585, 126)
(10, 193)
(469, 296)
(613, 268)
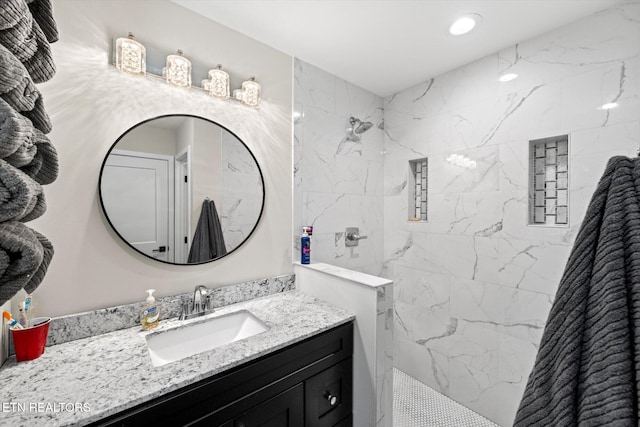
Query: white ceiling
(386, 46)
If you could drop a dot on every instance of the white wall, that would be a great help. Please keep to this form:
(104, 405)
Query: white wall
(92, 104)
(338, 183)
(149, 139)
(474, 285)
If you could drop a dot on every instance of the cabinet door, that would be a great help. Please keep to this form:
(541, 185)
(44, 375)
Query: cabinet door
(284, 410)
(328, 395)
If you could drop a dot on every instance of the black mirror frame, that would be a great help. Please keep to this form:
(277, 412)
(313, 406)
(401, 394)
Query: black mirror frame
(104, 211)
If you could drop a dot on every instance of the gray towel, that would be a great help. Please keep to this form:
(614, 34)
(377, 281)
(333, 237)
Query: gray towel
(15, 130)
(26, 40)
(587, 371)
(40, 65)
(27, 148)
(47, 253)
(42, 12)
(20, 38)
(21, 255)
(11, 11)
(208, 240)
(44, 166)
(19, 91)
(21, 198)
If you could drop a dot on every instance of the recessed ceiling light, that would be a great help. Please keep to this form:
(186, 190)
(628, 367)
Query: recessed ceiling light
(464, 24)
(609, 105)
(507, 77)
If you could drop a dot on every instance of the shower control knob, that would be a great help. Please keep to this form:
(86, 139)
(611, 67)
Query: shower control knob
(352, 236)
(355, 236)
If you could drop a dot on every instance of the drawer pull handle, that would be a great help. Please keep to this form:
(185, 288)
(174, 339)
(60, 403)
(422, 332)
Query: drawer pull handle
(331, 398)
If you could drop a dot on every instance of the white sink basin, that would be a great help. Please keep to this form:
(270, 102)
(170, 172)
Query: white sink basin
(175, 344)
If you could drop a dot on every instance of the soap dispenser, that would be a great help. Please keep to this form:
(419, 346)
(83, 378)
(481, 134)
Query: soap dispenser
(149, 318)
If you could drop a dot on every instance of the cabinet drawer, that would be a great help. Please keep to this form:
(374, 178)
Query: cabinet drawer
(284, 410)
(328, 395)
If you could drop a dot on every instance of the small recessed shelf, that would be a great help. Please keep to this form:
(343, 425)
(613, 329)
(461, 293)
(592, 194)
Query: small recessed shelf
(418, 182)
(549, 181)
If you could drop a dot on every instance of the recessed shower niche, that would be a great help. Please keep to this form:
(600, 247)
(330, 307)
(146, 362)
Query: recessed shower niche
(417, 183)
(549, 181)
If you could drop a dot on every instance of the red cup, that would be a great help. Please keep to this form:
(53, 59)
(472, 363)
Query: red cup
(29, 342)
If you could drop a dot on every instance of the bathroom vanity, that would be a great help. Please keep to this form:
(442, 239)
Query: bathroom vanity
(297, 373)
(305, 384)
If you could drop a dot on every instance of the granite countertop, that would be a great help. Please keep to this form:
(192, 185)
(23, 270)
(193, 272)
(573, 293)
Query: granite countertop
(82, 381)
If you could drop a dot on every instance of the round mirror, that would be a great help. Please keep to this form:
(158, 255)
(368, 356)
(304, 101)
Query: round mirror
(181, 189)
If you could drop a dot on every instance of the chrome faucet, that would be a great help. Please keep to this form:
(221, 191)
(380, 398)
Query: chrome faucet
(198, 296)
(199, 306)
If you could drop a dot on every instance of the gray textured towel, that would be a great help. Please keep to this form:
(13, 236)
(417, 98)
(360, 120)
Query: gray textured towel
(27, 148)
(11, 11)
(44, 166)
(12, 71)
(40, 65)
(21, 198)
(39, 116)
(20, 38)
(15, 130)
(47, 253)
(26, 40)
(587, 370)
(19, 91)
(42, 12)
(208, 240)
(21, 255)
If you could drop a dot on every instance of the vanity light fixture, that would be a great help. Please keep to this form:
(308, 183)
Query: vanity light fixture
(609, 106)
(131, 56)
(252, 92)
(465, 24)
(178, 70)
(218, 83)
(507, 77)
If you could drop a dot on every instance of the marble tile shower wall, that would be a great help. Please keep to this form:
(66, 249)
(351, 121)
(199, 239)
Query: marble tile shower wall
(473, 286)
(337, 183)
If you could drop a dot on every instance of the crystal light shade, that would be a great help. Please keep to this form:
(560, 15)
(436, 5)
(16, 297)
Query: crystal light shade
(178, 70)
(238, 94)
(218, 83)
(130, 56)
(252, 92)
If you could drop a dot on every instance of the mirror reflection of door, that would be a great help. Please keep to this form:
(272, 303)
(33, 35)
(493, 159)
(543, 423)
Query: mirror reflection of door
(183, 204)
(138, 188)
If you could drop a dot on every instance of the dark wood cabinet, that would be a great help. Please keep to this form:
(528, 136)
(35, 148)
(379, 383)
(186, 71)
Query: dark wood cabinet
(284, 410)
(308, 384)
(328, 395)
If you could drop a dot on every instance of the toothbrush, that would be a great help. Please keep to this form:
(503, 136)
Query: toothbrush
(13, 324)
(27, 304)
(27, 307)
(22, 317)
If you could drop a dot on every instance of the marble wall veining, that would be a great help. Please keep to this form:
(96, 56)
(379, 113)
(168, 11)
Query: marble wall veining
(473, 286)
(337, 183)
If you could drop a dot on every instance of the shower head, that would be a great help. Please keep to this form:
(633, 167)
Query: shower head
(361, 127)
(357, 127)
